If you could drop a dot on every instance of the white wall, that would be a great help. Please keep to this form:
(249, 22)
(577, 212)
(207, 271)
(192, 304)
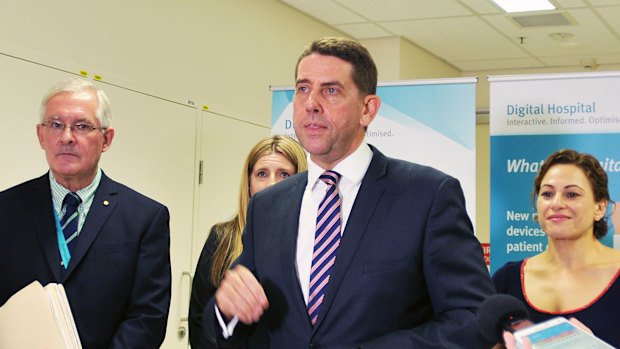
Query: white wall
(399, 59)
(221, 53)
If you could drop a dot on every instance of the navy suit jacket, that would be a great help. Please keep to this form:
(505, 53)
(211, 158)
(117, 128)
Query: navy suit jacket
(409, 271)
(118, 280)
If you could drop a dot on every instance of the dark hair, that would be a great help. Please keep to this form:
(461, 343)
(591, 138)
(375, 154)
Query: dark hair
(594, 172)
(364, 72)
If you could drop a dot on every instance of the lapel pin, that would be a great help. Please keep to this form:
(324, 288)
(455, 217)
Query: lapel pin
(106, 202)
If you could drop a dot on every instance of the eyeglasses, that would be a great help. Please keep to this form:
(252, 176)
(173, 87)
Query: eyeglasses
(79, 128)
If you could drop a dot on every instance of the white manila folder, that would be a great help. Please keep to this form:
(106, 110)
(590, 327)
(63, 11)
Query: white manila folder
(38, 317)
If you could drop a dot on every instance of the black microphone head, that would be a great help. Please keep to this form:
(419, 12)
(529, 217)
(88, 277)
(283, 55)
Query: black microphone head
(496, 311)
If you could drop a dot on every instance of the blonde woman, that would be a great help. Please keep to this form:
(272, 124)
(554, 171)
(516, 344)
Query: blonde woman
(270, 161)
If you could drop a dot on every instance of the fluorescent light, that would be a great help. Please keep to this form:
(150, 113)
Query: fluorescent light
(524, 5)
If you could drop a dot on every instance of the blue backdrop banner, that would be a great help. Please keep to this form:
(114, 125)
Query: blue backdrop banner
(431, 122)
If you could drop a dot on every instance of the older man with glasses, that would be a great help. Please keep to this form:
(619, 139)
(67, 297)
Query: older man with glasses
(107, 244)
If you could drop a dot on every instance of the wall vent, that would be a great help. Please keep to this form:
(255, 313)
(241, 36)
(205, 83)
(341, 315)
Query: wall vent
(549, 20)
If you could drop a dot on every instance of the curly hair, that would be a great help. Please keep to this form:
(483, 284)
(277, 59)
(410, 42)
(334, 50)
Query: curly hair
(591, 167)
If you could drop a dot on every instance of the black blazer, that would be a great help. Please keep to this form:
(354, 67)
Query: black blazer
(409, 272)
(118, 281)
(202, 291)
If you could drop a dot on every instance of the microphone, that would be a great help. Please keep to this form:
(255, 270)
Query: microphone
(499, 313)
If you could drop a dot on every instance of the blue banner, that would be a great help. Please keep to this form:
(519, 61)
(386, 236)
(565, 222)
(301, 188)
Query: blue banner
(430, 122)
(532, 117)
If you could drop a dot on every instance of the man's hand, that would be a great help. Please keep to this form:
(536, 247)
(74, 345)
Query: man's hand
(241, 295)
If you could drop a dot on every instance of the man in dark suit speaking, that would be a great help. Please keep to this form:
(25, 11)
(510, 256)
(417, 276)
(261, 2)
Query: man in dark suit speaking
(107, 244)
(361, 251)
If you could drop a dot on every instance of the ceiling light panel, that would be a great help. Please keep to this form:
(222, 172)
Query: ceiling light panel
(524, 5)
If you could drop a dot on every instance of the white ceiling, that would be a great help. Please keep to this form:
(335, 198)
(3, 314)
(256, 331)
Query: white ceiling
(478, 35)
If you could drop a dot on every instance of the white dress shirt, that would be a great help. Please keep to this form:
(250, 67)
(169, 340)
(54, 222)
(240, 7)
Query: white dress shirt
(352, 169)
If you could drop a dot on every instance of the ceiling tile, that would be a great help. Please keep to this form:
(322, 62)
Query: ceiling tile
(457, 39)
(595, 35)
(482, 6)
(391, 10)
(476, 34)
(604, 2)
(567, 4)
(609, 59)
(364, 30)
(589, 35)
(612, 16)
(326, 11)
(496, 64)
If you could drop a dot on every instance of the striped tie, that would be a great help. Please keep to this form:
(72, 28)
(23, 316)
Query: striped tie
(326, 242)
(69, 222)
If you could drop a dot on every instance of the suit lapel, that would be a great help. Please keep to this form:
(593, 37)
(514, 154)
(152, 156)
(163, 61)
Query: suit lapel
(42, 213)
(104, 202)
(364, 206)
(290, 230)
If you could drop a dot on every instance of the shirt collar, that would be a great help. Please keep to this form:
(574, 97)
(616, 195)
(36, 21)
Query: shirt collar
(352, 168)
(59, 192)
